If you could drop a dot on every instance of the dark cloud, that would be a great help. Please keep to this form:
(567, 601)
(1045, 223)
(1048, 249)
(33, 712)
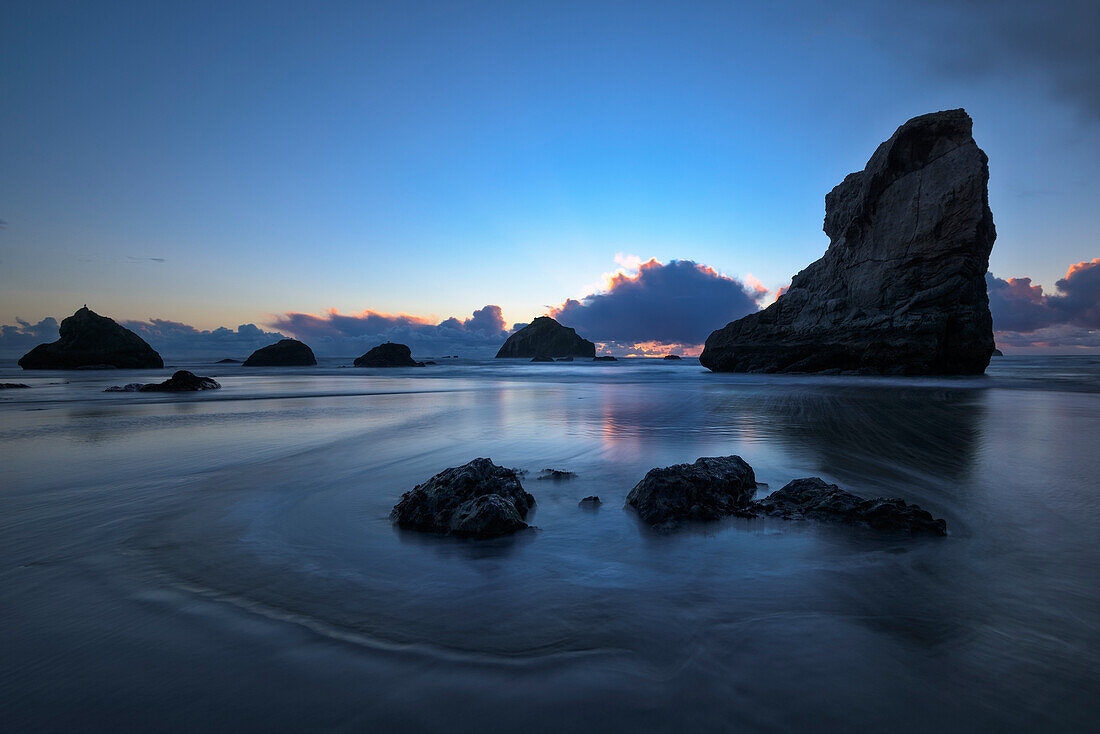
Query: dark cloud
(339, 334)
(175, 340)
(679, 303)
(15, 341)
(1024, 315)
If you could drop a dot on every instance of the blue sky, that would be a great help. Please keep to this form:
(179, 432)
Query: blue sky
(221, 163)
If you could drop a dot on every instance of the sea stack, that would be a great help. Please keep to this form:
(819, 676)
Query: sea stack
(545, 337)
(90, 340)
(283, 353)
(388, 355)
(901, 289)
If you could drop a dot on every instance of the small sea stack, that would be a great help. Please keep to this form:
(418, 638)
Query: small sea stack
(283, 353)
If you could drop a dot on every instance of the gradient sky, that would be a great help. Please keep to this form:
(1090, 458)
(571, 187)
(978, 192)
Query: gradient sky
(219, 163)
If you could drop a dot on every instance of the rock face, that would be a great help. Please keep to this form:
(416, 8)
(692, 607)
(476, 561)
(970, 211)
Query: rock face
(709, 489)
(476, 500)
(388, 355)
(283, 353)
(901, 289)
(182, 381)
(88, 339)
(545, 337)
(814, 499)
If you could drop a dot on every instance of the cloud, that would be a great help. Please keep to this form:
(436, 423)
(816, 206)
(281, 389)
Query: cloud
(339, 334)
(676, 303)
(1023, 314)
(176, 340)
(15, 341)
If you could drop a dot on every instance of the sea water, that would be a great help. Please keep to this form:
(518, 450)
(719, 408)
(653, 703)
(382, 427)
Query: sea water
(225, 560)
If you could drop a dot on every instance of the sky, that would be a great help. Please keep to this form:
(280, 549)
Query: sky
(344, 172)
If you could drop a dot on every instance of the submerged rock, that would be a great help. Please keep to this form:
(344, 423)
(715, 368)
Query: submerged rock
(388, 355)
(901, 289)
(815, 499)
(183, 381)
(12, 385)
(90, 340)
(556, 475)
(283, 353)
(711, 488)
(475, 500)
(590, 501)
(128, 387)
(545, 337)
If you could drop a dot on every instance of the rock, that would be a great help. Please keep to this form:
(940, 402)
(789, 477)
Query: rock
(425, 364)
(542, 359)
(283, 353)
(128, 387)
(901, 289)
(12, 385)
(998, 353)
(556, 475)
(545, 337)
(228, 360)
(709, 489)
(564, 359)
(89, 340)
(388, 355)
(590, 502)
(605, 358)
(183, 381)
(476, 500)
(815, 499)
(671, 356)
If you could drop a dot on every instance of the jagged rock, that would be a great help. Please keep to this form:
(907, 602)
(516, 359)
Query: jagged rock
(671, 356)
(283, 353)
(542, 359)
(590, 502)
(128, 387)
(545, 337)
(901, 289)
(711, 488)
(605, 358)
(388, 355)
(556, 475)
(815, 499)
(182, 381)
(12, 385)
(475, 500)
(90, 340)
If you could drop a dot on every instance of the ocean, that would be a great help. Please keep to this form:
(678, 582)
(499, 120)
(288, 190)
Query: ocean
(224, 560)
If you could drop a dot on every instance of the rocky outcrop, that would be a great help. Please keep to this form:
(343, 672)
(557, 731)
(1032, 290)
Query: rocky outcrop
(283, 353)
(815, 499)
(87, 340)
(12, 386)
(476, 500)
(545, 337)
(128, 387)
(388, 355)
(590, 502)
(709, 489)
(901, 289)
(672, 357)
(556, 475)
(605, 358)
(183, 381)
(998, 353)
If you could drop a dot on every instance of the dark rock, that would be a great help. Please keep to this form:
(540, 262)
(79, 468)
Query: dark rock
(283, 353)
(542, 359)
(96, 367)
(605, 358)
(564, 359)
(228, 360)
(182, 381)
(901, 289)
(128, 387)
(709, 489)
(590, 501)
(556, 475)
(672, 356)
(998, 353)
(476, 500)
(90, 340)
(12, 385)
(545, 337)
(425, 364)
(388, 355)
(815, 499)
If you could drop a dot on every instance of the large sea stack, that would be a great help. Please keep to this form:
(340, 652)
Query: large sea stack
(388, 355)
(901, 289)
(283, 353)
(90, 340)
(545, 337)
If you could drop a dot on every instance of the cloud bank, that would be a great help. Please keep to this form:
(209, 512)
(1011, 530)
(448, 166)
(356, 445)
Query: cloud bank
(662, 307)
(176, 340)
(1024, 315)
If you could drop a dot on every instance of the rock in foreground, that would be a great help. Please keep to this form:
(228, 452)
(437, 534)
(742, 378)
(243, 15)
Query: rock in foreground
(388, 355)
(476, 500)
(710, 489)
(901, 289)
(88, 339)
(815, 499)
(283, 353)
(183, 381)
(545, 337)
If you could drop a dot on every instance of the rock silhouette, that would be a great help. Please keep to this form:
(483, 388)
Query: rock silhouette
(475, 500)
(12, 385)
(711, 488)
(89, 340)
(901, 289)
(388, 355)
(605, 358)
(283, 353)
(545, 337)
(672, 357)
(183, 381)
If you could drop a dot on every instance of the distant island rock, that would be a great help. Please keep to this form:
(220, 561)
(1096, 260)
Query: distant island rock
(901, 289)
(388, 355)
(283, 353)
(181, 381)
(605, 358)
(672, 356)
(475, 500)
(545, 337)
(89, 340)
(711, 488)
(228, 360)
